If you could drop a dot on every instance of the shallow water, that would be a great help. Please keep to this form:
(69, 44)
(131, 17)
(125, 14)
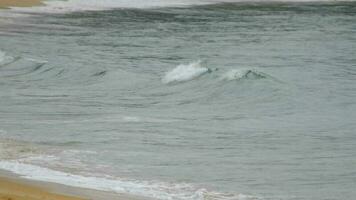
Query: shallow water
(221, 101)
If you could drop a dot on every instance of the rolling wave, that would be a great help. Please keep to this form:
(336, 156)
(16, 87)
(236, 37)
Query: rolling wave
(238, 74)
(5, 59)
(194, 70)
(20, 66)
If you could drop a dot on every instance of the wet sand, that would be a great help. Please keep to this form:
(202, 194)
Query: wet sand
(19, 3)
(16, 190)
(13, 187)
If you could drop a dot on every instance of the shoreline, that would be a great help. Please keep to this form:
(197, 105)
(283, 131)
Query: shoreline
(14, 187)
(5, 4)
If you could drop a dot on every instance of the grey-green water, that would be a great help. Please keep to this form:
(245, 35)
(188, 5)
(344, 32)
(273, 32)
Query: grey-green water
(254, 99)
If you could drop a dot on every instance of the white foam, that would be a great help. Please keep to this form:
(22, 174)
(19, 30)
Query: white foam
(62, 6)
(185, 72)
(151, 189)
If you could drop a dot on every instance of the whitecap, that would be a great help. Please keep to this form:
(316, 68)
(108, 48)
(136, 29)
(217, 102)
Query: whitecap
(185, 72)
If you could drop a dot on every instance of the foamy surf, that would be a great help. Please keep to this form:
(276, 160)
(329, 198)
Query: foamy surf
(61, 6)
(150, 189)
(58, 6)
(185, 72)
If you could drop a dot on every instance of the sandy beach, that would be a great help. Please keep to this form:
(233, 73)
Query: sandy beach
(19, 3)
(14, 187)
(16, 190)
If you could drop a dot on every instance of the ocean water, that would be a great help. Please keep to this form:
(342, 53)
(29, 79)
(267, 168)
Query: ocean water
(182, 100)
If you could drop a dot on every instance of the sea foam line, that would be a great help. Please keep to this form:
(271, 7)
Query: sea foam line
(151, 189)
(62, 6)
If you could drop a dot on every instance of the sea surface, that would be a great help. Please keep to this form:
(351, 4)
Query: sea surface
(182, 100)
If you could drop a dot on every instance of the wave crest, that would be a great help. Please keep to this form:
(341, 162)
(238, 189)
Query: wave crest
(5, 59)
(185, 72)
(238, 74)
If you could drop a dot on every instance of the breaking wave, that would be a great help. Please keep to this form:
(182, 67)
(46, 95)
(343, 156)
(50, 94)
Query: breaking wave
(193, 70)
(61, 6)
(185, 72)
(151, 189)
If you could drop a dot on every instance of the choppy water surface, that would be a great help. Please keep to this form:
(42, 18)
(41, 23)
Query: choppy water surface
(222, 101)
